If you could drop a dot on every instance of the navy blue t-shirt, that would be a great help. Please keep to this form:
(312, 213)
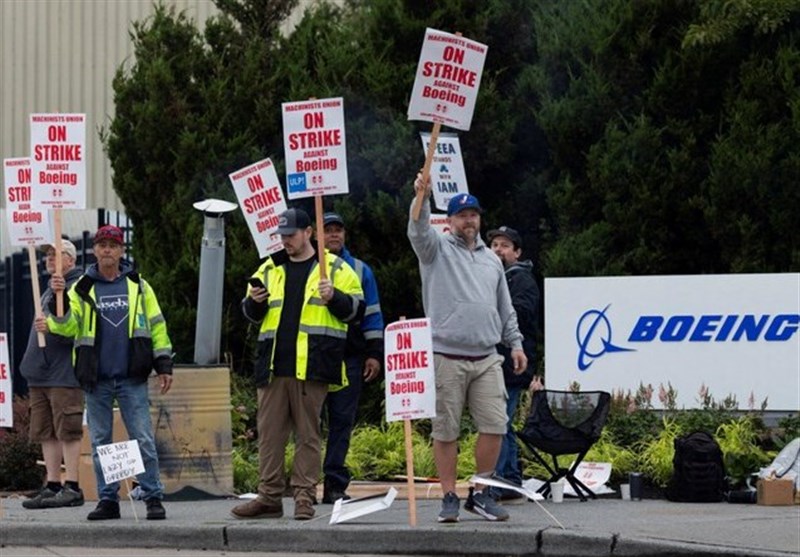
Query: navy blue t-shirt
(112, 325)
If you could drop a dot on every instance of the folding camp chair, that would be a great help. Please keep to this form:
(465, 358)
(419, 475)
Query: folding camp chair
(563, 423)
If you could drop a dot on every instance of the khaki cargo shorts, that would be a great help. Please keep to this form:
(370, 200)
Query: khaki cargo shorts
(478, 384)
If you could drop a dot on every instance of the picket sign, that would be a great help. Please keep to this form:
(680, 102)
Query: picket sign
(316, 161)
(27, 225)
(410, 386)
(58, 170)
(456, 63)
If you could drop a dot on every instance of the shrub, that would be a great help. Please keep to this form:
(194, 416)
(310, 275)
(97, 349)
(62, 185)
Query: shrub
(742, 455)
(18, 456)
(655, 457)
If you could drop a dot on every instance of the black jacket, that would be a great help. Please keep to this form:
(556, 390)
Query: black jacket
(525, 296)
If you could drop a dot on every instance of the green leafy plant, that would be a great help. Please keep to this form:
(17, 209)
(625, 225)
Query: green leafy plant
(742, 454)
(655, 456)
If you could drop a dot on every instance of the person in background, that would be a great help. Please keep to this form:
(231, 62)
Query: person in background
(363, 356)
(56, 399)
(303, 321)
(121, 337)
(506, 243)
(465, 296)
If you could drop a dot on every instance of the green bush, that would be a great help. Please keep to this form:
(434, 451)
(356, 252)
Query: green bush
(18, 456)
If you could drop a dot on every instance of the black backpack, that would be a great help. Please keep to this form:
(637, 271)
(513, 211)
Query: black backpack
(698, 470)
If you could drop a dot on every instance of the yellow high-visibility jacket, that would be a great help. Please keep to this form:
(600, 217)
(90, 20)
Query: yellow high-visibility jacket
(149, 344)
(322, 333)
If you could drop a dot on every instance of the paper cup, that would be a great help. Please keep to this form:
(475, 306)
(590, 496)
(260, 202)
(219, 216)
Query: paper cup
(557, 492)
(625, 491)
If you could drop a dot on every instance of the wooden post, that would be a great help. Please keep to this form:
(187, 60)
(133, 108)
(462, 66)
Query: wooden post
(412, 491)
(57, 247)
(426, 170)
(323, 273)
(37, 295)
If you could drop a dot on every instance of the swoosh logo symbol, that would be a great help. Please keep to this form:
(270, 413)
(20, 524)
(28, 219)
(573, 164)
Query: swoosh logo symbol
(593, 334)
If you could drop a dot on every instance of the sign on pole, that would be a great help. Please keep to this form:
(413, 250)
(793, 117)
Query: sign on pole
(448, 178)
(120, 460)
(261, 200)
(58, 160)
(28, 224)
(445, 89)
(314, 141)
(6, 392)
(408, 361)
(447, 81)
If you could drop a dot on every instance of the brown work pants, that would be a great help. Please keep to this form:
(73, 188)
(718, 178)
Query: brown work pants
(287, 405)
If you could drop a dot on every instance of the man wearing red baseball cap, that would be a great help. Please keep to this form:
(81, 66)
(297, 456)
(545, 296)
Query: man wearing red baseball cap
(121, 338)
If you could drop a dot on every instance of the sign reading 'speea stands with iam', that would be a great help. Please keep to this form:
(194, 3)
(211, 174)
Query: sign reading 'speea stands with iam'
(58, 160)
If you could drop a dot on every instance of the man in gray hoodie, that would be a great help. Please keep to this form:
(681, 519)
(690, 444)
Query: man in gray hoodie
(466, 298)
(56, 399)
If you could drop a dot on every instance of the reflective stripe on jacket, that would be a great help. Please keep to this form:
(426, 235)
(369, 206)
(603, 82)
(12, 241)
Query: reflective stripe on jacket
(149, 343)
(321, 336)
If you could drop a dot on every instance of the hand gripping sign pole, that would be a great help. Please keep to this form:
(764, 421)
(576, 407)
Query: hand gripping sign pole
(445, 89)
(409, 387)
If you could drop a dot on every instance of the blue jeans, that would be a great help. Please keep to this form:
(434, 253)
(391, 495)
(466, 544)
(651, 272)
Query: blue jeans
(508, 461)
(134, 405)
(342, 407)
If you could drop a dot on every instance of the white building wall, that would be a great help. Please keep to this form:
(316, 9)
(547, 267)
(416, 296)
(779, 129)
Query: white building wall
(61, 56)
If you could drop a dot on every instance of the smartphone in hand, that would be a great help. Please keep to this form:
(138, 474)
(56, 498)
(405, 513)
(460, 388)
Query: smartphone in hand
(255, 282)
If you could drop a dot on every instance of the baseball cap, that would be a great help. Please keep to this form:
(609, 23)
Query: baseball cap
(292, 220)
(332, 218)
(463, 201)
(110, 232)
(66, 247)
(509, 233)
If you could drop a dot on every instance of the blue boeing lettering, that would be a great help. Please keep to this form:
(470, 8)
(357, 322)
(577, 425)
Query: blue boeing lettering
(716, 328)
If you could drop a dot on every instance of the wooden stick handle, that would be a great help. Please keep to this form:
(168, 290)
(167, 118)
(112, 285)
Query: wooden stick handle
(323, 273)
(37, 294)
(426, 170)
(412, 491)
(57, 246)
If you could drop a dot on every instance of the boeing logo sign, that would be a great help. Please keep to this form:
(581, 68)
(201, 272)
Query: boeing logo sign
(737, 335)
(593, 331)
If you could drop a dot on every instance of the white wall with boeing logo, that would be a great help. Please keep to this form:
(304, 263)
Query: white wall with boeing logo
(737, 334)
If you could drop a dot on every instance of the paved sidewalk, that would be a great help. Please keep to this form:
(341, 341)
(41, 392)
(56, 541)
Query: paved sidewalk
(601, 527)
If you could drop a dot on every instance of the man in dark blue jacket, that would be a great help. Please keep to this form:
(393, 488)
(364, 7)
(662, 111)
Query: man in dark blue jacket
(507, 244)
(363, 357)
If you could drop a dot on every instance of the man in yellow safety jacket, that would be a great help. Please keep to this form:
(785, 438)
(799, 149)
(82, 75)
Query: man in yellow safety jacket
(303, 331)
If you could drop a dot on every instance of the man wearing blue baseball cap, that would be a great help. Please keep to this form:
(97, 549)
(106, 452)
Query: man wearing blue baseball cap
(466, 298)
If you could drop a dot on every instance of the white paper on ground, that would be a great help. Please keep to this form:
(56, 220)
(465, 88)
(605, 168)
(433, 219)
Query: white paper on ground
(499, 482)
(593, 475)
(353, 508)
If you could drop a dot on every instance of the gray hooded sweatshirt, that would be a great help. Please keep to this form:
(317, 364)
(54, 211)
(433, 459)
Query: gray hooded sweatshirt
(50, 366)
(464, 292)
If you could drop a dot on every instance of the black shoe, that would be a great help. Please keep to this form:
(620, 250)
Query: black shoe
(155, 510)
(105, 510)
(37, 502)
(330, 496)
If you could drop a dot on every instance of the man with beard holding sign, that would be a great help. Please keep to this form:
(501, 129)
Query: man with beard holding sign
(465, 295)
